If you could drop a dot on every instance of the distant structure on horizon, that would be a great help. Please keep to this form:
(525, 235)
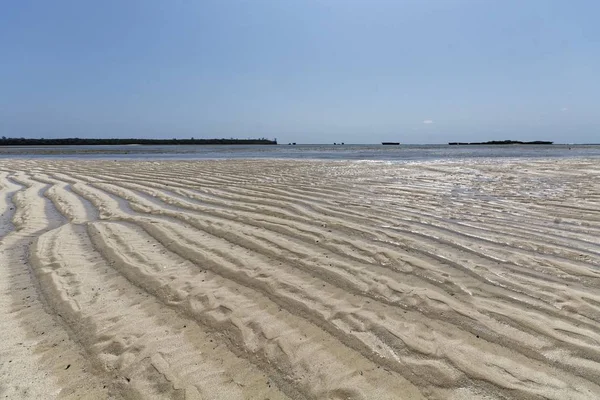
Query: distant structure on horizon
(390, 143)
(498, 142)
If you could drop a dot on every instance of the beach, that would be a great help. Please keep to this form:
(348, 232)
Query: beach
(289, 279)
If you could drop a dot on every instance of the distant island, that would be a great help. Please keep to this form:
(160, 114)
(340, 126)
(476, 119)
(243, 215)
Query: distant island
(4, 141)
(499, 142)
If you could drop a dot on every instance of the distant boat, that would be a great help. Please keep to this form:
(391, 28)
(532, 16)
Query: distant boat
(390, 143)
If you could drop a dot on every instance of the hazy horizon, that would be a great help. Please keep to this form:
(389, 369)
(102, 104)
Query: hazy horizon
(279, 142)
(302, 71)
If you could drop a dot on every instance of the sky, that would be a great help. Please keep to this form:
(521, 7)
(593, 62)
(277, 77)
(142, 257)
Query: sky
(306, 71)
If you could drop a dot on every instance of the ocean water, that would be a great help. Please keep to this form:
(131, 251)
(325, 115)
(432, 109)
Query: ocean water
(304, 152)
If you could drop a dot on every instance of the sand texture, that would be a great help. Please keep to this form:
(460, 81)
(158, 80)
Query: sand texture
(299, 280)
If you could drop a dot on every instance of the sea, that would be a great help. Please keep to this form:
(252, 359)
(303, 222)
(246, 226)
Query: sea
(366, 152)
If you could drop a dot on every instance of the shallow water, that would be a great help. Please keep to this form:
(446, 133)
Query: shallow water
(317, 152)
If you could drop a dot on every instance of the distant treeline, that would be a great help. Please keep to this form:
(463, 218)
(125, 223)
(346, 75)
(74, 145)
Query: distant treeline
(4, 141)
(500, 142)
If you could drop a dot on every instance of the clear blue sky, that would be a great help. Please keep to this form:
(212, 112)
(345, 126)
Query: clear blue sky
(302, 70)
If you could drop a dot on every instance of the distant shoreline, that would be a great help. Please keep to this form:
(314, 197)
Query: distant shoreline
(107, 142)
(498, 142)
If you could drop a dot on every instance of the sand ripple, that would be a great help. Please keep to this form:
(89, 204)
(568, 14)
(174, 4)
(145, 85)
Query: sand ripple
(302, 280)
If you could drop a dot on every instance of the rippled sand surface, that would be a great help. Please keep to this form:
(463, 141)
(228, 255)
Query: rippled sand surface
(300, 280)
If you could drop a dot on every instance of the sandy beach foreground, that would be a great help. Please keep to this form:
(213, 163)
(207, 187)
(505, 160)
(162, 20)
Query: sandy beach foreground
(299, 280)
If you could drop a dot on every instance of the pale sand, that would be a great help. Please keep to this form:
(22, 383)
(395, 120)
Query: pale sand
(302, 280)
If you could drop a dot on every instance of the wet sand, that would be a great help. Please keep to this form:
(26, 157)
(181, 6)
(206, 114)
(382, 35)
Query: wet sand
(300, 279)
